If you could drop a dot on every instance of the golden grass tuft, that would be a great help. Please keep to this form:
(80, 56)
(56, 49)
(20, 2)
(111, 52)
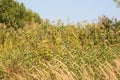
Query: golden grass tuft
(58, 52)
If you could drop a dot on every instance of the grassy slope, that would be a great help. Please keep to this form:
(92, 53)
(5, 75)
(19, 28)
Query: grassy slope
(46, 52)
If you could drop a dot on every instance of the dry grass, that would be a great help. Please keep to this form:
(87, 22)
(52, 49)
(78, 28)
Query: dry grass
(48, 52)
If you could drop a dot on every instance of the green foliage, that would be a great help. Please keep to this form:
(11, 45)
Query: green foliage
(36, 18)
(118, 2)
(28, 16)
(32, 17)
(14, 14)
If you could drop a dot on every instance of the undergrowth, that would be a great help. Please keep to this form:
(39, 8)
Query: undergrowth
(50, 52)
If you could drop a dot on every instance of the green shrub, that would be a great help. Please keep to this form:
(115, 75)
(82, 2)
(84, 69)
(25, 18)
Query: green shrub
(14, 14)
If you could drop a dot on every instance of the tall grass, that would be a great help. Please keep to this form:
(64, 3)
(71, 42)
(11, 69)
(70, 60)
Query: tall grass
(49, 52)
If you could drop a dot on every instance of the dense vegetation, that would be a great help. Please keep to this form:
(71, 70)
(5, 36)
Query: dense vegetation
(42, 51)
(14, 14)
(49, 52)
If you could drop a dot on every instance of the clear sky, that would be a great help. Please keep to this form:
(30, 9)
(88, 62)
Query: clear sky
(74, 10)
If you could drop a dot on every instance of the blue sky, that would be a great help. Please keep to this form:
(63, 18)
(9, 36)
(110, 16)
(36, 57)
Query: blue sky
(74, 10)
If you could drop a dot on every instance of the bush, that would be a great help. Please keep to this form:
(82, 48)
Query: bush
(32, 17)
(14, 14)
(105, 21)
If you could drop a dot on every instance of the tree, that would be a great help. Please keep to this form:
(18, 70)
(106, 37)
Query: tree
(105, 21)
(118, 2)
(12, 13)
(32, 17)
